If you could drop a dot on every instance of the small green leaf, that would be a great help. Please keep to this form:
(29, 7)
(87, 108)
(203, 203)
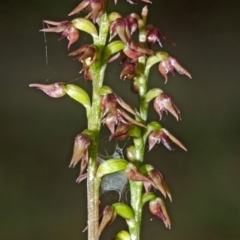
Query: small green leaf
(158, 57)
(112, 48)
(78, 94)
(146, 197)
(123, 235)
(123, 210)
(85, 25)
(134, 131)
(153, 93)
(104, 90)
(111, 166)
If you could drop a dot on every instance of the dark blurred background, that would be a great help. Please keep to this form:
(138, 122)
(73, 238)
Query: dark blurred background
(39, 196)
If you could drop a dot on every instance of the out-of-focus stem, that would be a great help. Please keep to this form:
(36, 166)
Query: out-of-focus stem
(136, 187)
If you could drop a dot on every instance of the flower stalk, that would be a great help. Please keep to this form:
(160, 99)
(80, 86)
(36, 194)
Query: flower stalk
(106, 107)
(94, 125)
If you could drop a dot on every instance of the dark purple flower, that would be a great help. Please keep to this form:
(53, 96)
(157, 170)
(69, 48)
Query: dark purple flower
(67, 29)
(155, 35)
(108, 216)
(134, 174)
(170, 65)
(158, 209)
(86, 54)
(94, 7)
(81, 145)
(164, 136)
(134, 50)
(121, 131)
(163, 103)
(128, 71)
(159, 182)
(124, 28)
(114, 116)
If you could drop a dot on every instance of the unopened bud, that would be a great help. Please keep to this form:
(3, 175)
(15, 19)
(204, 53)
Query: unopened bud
(55, 90)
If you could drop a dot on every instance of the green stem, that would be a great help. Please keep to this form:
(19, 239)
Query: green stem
(136, 187)
(94, 125)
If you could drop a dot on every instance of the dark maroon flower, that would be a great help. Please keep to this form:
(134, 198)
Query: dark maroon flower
(162, 135)
(111, 102)
(170, 65)
(86, 72)
(55, 90)
(86, 54)
(155, 35)
(94, 7)
(159, 182)
(67, 29)
(124, 28)
(120, 27)
(158, 209)
(121, 131)
(114, 116)
(134, 174)
(80, 150)
(128, 71)
(134, 50)
(108, 216)
(163, 103)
